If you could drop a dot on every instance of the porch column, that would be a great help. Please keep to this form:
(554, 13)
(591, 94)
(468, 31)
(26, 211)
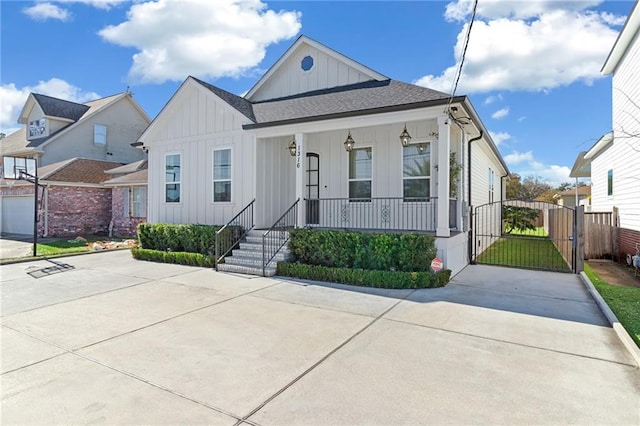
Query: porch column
(444, 147)
(301, 156)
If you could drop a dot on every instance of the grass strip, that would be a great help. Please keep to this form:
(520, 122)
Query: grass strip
(623, 301)
(532, 252)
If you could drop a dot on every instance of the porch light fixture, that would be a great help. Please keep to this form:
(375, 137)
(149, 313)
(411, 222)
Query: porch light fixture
(405, 137)
(292, 147)
(349, 143)
(421, 148)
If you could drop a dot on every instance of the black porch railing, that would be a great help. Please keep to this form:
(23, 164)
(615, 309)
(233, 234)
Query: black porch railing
(388, 213)
(228, 237)
(277, 236)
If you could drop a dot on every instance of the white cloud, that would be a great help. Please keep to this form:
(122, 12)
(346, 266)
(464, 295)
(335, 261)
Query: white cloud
(44, 11)
(493, 98)
(526, 165)
(13, 98)
(555, 47)
(100, 4)
(199, 37)
(460, 10)
(499, 137)
(516, 157)
(521, 119)
(501, 113)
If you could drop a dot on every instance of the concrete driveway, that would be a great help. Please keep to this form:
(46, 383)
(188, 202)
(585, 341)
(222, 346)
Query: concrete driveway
(103, 338)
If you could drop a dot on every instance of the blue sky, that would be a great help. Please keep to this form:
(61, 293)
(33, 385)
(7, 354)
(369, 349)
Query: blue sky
(532, 69)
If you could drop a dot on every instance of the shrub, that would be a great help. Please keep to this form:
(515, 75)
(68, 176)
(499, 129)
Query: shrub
(363, 277)
(180, 258)
(360, 250)
(185, 238)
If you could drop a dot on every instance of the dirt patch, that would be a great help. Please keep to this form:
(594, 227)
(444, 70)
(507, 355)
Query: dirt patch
(615, 273)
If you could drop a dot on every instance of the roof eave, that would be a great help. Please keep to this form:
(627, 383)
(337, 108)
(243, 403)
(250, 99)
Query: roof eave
(626, 35)
(347, 114)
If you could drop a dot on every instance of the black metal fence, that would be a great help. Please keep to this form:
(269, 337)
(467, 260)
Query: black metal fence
(277, 236)
(384, 213)
(241, 224)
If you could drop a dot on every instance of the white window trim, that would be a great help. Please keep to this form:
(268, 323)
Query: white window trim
(132, 201)
(430, 177)
(214, 180)
(491, 185)
(349, 180)
(164, 171)
(95, 127)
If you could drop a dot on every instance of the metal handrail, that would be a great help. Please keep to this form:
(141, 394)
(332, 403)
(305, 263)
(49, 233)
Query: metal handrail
(246, 211)
(279, 225)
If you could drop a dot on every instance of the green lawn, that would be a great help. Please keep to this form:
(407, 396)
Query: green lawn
(623, 301)
(538, 253)
(54, 248)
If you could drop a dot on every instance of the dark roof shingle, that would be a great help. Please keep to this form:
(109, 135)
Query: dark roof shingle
(239, 103)
(77, 170)
(55, 107)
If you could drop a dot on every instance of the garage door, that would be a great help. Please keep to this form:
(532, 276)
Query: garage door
(17, 215)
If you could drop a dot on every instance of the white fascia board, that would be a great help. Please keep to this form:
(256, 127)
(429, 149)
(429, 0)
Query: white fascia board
(603, 143)
(26, 109)
(623, 41)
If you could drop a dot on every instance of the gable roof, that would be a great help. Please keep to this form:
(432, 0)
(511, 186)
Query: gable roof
(582, 190)
(17, 142)
(77, 170)
(303, 39)
(55, 107)
(626, 36)
(237, 102)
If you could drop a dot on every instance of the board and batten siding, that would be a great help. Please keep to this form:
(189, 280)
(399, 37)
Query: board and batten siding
(623, 157)
(291, 79)
(193, 124)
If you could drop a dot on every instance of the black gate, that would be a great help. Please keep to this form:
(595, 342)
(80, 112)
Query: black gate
(525, 234)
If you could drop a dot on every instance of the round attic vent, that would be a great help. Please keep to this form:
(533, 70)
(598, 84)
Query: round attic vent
(307, 63)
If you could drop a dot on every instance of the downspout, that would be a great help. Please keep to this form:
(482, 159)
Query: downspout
(470, 239)
(463, 136)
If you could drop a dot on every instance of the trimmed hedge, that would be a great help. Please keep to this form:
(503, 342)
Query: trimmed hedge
(180, 258)
(184, 238)
(361, 250)
(366, 278)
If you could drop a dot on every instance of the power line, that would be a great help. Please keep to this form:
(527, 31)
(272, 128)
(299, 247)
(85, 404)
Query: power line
(464, 52)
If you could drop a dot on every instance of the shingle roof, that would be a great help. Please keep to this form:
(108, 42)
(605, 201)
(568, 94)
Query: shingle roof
(55, 107)
(129, 168)
(582, 190)
(239, 103)
(77, 170)
(15, 142)
(139, 177)
(353, 99)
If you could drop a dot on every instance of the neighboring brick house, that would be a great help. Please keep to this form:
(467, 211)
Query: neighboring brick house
(128, 197)
(57, 130)
(72, 199)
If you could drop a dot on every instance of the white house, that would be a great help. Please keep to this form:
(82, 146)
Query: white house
(615, 158)
(357, 149)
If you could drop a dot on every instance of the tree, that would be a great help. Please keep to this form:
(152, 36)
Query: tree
(514, 186)
(518, 218)
(532, 187)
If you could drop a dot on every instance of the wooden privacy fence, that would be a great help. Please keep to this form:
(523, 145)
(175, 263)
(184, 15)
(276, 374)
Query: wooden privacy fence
(560, 230)
(600, 234)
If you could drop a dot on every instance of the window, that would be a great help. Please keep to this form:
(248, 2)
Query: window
(610, 182)
(416, 172)
(99, 134)
(172, 178)
(37, 127)
(491, 185)
(222, 175)
(139, 201)
(360, 173)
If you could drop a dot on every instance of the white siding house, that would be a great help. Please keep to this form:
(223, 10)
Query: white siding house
(211, 153)
(615, 159)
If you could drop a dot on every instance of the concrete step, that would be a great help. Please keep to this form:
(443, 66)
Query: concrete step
(244, 254)
(239, 269)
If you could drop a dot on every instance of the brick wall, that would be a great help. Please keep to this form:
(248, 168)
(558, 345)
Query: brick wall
(627, 239)
(75, 210)
(123, 225)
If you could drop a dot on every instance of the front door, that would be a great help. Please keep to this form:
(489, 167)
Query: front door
(313, 188)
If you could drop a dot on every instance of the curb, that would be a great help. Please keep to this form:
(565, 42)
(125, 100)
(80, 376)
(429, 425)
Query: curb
(56, 256)
(623, 335)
